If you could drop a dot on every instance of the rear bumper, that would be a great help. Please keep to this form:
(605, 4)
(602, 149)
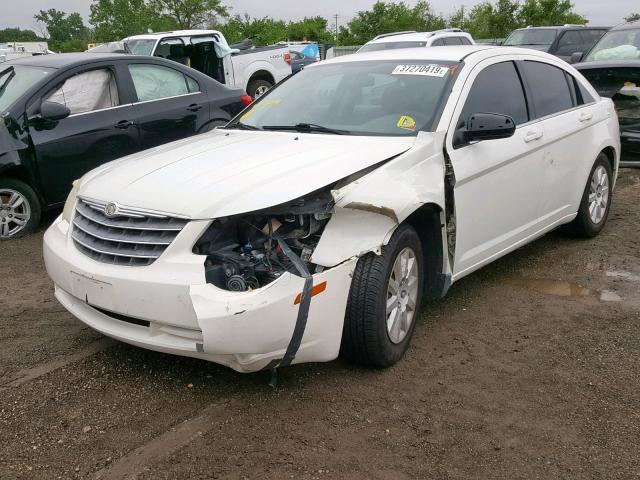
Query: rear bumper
(167, 306)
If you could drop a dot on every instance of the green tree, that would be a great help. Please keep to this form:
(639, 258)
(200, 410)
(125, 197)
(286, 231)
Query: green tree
(263, 31)
(632, 18)
(191, 13)
(548, 12)
(18, 35)
(386, 17)
(117, 19)
(487, 20)
(64, 32)
(313, 29)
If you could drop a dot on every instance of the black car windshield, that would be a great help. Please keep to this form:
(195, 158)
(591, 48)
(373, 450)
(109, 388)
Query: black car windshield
(374, 47)
(141, 47)
(617, 45)
(16, 80)
(531, 36)
(395, 98)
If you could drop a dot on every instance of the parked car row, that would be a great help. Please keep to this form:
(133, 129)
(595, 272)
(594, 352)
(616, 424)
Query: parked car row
(315, 221)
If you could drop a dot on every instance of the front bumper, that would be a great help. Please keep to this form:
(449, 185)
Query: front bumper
(168, 307)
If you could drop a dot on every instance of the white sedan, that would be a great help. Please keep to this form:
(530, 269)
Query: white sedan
(317, 220)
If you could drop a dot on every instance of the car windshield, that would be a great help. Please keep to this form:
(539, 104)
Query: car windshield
(374, 47)
(16, 80)
(530, 36)
(395, 98)
(617, 45)
(141, 47)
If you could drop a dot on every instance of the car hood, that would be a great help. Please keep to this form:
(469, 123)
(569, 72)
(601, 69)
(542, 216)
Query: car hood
(229, 172)
(597, 64)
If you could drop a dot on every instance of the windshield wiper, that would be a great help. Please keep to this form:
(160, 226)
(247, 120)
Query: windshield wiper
(307, 128)
(4, 84)
(241, 126)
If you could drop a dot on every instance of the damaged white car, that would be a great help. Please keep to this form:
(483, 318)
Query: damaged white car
(316, 221)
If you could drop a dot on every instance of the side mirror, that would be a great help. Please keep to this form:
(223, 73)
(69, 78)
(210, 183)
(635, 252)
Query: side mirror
(576, 57)
(53, 111)
(488, 126)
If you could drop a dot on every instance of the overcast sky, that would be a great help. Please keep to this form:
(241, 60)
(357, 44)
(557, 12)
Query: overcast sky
(20, 13)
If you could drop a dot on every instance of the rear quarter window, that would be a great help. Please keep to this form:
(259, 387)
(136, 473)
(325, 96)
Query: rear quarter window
(549, 88)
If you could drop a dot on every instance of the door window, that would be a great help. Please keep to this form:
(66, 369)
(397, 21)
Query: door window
(452, 41)
(570, 42)
(155, 82)
(497, 89)
(549, 88)
(438, 43)
(87, 91)
(164, 47)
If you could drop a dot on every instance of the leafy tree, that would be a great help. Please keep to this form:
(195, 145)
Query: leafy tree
(390, 17)
(313, 29)
(191, 13)
(487, 20)
(117, 19)
(262, 31)
(632, 18)
(18, 35)
(64, 32)
(548, 12)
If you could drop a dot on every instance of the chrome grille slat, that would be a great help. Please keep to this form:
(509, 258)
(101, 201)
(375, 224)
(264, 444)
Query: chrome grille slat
(135, 223)
(130, 237)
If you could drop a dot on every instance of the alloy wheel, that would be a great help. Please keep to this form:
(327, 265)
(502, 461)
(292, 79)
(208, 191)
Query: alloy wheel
(15, 212)
(402, 295)
(598, 195)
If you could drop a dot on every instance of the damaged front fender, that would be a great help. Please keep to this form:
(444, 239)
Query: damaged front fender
(368, 210)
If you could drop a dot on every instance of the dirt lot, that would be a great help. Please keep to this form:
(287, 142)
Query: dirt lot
(528, 369)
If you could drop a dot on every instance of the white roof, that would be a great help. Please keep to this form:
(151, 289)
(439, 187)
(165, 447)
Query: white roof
(174, 33)
(418, 36)
(447, 54)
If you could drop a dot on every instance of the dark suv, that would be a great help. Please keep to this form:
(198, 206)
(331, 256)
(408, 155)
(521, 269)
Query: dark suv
(559, 41)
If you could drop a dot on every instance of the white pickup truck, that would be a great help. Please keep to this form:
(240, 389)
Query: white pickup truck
(254, 69)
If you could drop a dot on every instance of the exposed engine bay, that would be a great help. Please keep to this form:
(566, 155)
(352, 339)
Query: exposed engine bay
(245, 252)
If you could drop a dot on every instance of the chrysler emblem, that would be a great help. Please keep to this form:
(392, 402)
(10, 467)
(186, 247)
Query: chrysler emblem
(110, 209)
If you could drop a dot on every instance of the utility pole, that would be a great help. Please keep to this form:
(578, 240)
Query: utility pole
(336, 25)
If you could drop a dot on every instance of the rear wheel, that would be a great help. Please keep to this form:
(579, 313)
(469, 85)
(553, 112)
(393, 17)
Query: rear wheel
(384, 301)
(19, 209)
(596, 200)
(257, 88)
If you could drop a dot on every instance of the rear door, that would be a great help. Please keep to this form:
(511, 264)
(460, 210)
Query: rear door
(169, 105)
(100, 128)
(498, 182)
(568, 152)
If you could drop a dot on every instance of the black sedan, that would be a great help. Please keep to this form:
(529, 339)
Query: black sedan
(613, 68)
(63, 115)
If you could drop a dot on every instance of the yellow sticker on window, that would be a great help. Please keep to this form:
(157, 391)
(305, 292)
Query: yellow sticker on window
(406, 122)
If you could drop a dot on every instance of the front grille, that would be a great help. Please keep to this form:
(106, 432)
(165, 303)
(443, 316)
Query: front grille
(131, 237)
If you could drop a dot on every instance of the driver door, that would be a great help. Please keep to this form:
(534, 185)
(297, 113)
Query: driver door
(498, 182)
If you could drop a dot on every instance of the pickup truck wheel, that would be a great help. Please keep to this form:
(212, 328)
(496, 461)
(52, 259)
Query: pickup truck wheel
(19, 209)
(384, 301)
(596, 200)
(257, 88)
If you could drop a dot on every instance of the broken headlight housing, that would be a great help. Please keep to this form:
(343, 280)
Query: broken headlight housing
(244, 252)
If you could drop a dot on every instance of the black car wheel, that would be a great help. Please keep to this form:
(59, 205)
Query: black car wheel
(19, 209)
(384, 301)
(257, 88)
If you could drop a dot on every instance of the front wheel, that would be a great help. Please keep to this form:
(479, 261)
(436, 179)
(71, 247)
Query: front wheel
(384, 301)
(19, 209)
(596, 200)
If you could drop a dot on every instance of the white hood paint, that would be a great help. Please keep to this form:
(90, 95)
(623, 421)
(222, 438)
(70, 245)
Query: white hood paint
(227, 172)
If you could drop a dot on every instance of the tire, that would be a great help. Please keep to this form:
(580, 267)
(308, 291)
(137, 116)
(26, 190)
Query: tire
(366, 340)
(256, 88)
(18, 203)
(590, 222)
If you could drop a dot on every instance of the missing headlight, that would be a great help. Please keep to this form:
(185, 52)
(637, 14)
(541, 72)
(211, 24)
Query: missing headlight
(243, 252)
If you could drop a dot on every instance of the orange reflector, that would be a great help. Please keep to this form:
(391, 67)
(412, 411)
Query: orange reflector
(321, 287)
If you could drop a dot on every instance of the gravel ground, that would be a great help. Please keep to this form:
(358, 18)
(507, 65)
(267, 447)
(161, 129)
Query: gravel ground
(528, 369)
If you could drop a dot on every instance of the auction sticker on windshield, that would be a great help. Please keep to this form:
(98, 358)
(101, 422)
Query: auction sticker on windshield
(427, 70)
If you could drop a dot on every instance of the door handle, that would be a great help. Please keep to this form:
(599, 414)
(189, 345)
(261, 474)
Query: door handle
(194, 107)
(124, 124)
(532, 136)
(585, 117)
